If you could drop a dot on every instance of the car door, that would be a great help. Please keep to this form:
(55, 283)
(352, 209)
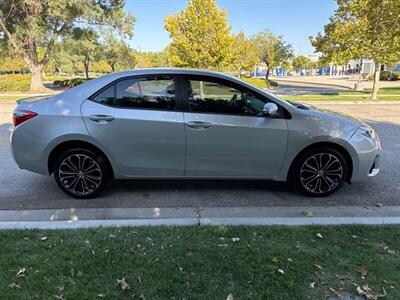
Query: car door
(226, 133)
(138, 121)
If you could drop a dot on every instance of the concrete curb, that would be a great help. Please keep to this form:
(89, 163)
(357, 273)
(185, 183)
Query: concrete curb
(189, 216)
(202, 222)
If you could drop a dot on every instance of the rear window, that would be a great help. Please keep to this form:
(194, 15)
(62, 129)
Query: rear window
(107, 96)
(150, 92)
(156, 92)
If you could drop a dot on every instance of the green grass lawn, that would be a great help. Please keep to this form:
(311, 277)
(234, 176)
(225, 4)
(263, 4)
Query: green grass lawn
(384, 94)
(10, 98)
(199, 262)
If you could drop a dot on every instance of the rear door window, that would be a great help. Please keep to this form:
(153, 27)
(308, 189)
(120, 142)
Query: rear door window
(153, 92)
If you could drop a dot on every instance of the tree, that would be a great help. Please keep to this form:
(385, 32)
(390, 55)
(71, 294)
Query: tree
(13, 63)
(245, 55)
(30, 25)
(362, 29)
(200, 36)
(272, 49)
(84, 47)
(151, 59)
(118, 55)
(302, 62)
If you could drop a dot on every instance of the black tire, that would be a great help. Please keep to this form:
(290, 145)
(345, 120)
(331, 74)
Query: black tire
(91, 169)
(328, 178)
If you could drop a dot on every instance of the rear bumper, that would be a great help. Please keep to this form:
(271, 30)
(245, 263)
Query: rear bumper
(29, 152)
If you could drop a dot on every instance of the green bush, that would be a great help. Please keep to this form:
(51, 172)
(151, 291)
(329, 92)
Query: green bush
(389, 76)
(20, 82)
(70, 82)
(15, 83)
(258, 82)
(272, 83)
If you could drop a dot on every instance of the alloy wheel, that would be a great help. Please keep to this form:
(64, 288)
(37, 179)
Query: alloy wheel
(80, 174)
(321, 173)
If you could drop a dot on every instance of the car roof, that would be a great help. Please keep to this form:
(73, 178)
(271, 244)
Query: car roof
(183, 71)
(85, 90)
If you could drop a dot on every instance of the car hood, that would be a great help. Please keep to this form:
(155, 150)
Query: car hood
(329, 113)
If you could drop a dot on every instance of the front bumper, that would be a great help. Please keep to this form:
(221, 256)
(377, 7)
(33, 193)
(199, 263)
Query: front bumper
(366, 160)
(375, 168)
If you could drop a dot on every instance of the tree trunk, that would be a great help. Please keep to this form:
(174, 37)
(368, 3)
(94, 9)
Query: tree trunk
(375, 88)
(86, 66)
(239, 73)
(36, 77)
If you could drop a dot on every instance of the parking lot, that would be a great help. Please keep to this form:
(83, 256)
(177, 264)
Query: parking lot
(20, 189)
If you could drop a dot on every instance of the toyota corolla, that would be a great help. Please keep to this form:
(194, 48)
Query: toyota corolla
(181, 123)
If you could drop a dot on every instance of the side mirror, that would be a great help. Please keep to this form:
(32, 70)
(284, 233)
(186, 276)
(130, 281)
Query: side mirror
(270, 109)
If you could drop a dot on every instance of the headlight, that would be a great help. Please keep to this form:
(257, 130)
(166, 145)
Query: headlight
(367, 131)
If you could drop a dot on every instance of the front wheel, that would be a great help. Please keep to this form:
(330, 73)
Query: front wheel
(320, 172)
(81, 173)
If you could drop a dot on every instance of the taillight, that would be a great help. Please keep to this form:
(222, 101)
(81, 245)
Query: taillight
(20, 116)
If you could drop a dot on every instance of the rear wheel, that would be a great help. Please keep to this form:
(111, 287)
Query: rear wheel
(81, 173)
(320, 172)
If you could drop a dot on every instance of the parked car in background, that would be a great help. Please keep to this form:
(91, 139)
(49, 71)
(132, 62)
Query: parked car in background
(182, 123)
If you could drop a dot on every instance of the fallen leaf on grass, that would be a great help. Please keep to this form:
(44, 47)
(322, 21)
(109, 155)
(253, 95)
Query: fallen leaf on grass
(21, 272)
(317, 267)
(319, 235)
(367, 292)
(14, 285)
(275, 259)
(230, 297)
(308, 213)
(122, 283)
(362, 270)
(280, 271)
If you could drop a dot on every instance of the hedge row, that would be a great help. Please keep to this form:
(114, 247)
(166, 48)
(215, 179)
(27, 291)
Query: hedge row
(69, 82)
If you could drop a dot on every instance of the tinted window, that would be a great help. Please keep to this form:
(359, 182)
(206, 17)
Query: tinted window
(213, 96)
(152, 92)
(106, 96)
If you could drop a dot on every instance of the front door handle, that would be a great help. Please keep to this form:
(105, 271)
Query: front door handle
(198, 124)
(101, 118)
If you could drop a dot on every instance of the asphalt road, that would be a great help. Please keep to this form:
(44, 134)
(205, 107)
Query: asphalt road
(20, 189)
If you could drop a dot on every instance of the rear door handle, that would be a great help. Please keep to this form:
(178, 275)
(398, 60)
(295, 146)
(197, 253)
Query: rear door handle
(198, 124)
(101, 118)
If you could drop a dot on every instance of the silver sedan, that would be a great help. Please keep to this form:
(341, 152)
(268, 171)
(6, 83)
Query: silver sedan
(182, 123)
